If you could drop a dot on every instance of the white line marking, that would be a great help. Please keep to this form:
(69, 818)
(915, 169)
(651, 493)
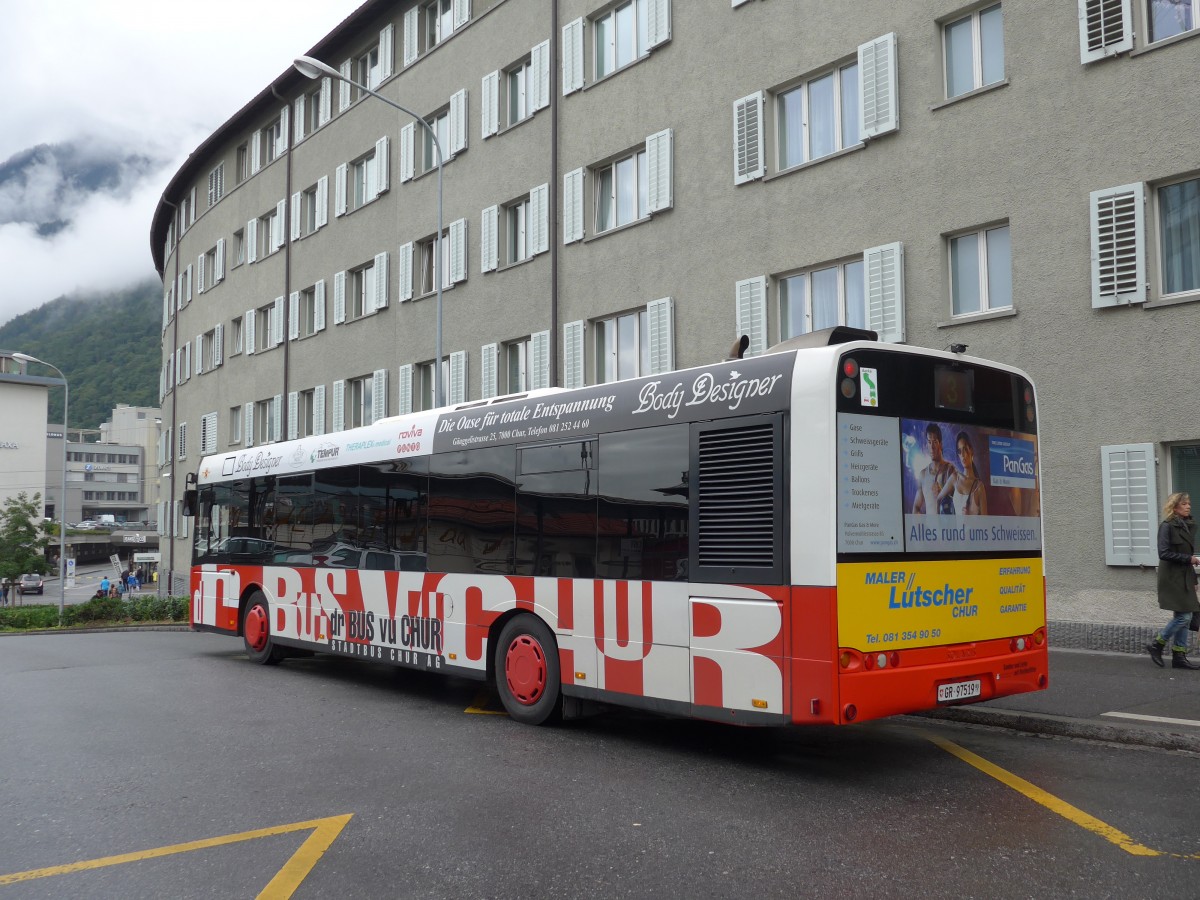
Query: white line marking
(1163, 719)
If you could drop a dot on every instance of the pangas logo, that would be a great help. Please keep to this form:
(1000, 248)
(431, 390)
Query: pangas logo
(325, 451)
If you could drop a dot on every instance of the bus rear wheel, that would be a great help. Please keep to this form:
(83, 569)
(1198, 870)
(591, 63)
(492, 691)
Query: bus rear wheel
(527, 670)
(256, 632)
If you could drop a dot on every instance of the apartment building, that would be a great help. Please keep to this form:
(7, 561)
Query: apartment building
(628, 186)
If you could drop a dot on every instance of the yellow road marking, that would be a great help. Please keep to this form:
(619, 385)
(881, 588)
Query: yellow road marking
(1048, 800)
(478, 706)
(283, 885)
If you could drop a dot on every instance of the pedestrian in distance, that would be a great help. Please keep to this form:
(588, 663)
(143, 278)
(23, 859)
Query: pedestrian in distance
(133, 582)
(1176, 580)
(104, 585)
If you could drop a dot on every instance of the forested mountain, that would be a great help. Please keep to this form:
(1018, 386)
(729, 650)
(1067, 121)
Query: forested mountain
(108, 346)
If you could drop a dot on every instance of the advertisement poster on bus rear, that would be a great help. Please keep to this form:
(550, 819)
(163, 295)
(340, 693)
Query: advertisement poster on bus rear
(968, 488)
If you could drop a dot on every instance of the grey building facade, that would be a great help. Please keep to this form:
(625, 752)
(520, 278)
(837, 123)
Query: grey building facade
(629, 186)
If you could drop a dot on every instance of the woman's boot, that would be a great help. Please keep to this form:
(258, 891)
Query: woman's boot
(1179, 660)
(1156, 648)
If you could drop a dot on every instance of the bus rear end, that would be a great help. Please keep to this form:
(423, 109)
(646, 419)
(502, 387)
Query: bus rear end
(940, 595)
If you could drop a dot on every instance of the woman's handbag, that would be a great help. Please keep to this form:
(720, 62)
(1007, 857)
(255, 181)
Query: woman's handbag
(1194, 625)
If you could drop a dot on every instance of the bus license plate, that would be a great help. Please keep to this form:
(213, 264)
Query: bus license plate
(959, 690)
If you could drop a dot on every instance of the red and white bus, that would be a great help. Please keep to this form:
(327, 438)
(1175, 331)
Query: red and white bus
(832, 532)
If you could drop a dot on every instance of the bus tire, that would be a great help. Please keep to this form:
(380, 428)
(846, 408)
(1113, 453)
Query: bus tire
(256, 632)
(527, 670)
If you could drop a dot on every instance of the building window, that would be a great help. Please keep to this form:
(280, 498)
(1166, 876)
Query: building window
(974, 49)
(427, 250)
(216, 185)
(235, 342)
(1171, 17)
(518, 223)
(308, 312)
(269, 140)
(305, 408)
(439, 22)
(424, 379)
(312, 111)
(621, 192)
(235, 424)
(440, 123)
(360, 401)
(262, 328)
(519, 81)
(239, 247)
(308, 211)
(269, 232)
(367, 69)
(264, 422)
(363, 180)
(516, 366)
(622, 346)
(981, 271)
(1179, 227)
(209, 276)
(360, 292)
(621, 36)
(243, 163)
(822, 298)
(818, 117)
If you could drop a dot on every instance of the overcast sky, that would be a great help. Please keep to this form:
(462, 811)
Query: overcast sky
(146, 76)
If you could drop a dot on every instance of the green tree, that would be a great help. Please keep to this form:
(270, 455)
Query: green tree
(23, 538)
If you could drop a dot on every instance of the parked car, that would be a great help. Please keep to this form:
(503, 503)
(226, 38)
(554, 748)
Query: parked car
(32, 584)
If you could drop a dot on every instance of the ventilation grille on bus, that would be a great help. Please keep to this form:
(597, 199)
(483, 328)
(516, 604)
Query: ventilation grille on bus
(736, 497)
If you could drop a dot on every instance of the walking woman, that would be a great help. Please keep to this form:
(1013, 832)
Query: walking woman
(1176, 580)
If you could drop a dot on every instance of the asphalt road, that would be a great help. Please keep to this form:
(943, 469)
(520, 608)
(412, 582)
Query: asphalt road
(120, 743)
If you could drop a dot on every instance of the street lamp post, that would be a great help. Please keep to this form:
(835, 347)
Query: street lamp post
(314, 68)
(62, 501)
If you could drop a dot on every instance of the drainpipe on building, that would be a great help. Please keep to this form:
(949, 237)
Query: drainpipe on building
(169, 511)
(555, 93)
(287, 270)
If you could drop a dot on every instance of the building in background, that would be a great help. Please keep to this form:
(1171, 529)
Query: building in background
(23, 437)
(631, 185)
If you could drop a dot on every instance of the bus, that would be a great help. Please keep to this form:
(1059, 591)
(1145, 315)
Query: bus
(831, 532)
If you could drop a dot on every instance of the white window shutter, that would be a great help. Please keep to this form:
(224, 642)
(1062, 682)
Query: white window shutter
(218, 356)
(1118, 235)
(407, 140)
(199, 280)
(749, 160)
(1130, 505)
(339, 190)
(750, 303)
(658, 22)
(248, 328)
(277, 225)
(295, 229)
(660, 315)
(339, 405)
(458, 251)
(458, 376)
(381, 280)
(572, 56)
(412, 27)
(458, 122)
(346, 69)
(573, 354)
(326, 112)
(489, 90)
(293, 429)
(252, 241)
(379, 386)
(300, 103)
(539, 87)
(878, 109)
(1105, 29)
(219, 274)
(319, 306)
(277, 322)
(573, 206)
(387, 50)
(192, 206)
(404, 269)
(248, 424)
(404, 390)
(539, 212)
(339, 299)
(319, 409)
(489, 250)
(322, 218)
(488, 355)
(659, 153)
(539, 360)
(276, 417)
(181, 433)
(462, 13)
(884, 273)
(199, 354)
(255, 151)
(383, 152)
(281, 141)
(293, 315)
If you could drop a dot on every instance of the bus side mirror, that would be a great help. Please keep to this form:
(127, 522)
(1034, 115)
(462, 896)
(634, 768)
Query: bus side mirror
(189, 503)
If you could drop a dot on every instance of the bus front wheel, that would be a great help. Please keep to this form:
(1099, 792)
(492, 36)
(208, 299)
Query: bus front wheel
(527, 670)
(256, 632)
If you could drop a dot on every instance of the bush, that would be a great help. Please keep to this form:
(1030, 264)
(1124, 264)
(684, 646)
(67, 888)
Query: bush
(144, 608)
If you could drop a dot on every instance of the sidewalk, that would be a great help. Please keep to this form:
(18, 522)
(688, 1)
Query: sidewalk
(1118, 697)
